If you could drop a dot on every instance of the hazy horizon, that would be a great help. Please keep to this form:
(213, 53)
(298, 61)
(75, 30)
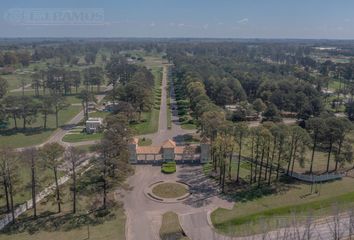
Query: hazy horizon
(273, 19)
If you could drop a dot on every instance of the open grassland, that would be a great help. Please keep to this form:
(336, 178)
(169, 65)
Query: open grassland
(85, 224)
(34, 134)
(268, 204)
(81, 137)
(23, 191)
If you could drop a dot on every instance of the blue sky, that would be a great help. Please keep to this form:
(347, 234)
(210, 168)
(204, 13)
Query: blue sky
(325, 19)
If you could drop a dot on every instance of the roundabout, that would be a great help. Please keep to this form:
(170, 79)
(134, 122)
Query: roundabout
(167, 191)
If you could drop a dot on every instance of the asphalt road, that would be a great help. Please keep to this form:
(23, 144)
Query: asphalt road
(144, 215)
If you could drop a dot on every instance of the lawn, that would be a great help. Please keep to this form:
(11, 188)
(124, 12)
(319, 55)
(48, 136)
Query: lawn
(23, 190)
(35, 134)
(103, 225)
(150, 120)
(189, 126)
(99, 114)
(169, 190)
(112, 229)
(280, 200)
(148, 124)
(289, 198)
(81, 137)
(86, 148)
(171, 228)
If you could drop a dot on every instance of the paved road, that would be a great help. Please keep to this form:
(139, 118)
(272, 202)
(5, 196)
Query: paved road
(58, 135)
(176, 132)
(144, 215)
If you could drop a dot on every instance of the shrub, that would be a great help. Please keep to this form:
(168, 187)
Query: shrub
(168, 167)
(182, 112)
(191, 121)
(183, 119)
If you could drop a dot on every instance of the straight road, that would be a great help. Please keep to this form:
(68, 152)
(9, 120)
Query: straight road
(176, 132)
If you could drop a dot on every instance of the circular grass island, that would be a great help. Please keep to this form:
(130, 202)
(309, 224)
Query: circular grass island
(170, 190)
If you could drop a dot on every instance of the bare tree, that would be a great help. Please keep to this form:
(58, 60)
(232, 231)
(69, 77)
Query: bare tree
(3, 157)
(334, 225)
(51, 156)
(308, 228)
(9, 170)
(73, 156)
(30, 155)
(351, 224)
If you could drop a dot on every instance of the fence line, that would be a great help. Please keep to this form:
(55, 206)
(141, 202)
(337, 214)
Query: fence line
(302, 177)
(4, 221)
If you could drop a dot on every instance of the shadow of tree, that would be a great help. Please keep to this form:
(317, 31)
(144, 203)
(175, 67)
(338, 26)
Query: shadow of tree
(26, 132)
(201, 187)
(204, 187)
(51, 221)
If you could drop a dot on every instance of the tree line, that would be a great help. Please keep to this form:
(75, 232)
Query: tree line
(273, 148)
(103, 173)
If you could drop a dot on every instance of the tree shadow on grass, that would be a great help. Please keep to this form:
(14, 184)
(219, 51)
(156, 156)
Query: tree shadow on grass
(26, 132)
(243, 192)
(51, 221)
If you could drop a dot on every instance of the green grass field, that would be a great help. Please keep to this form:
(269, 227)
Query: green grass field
(35, 134)
(23, 191)
(189, 126)
(289, 198)
(99, 114)
(81, 137)
(51, 225)
(150, 120)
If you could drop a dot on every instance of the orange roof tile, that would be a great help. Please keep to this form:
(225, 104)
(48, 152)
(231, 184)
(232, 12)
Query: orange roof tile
(148, 150)
(179, 150)
(169, 144)
(134, 141)
(205, 140)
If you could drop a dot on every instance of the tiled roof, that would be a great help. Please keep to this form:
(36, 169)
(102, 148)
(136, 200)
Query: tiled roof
(169, 144)
(148, 150)
(205, 140)
(134, 141)
(179, 150)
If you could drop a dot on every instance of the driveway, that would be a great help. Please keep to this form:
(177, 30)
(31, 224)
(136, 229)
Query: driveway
(144, 215)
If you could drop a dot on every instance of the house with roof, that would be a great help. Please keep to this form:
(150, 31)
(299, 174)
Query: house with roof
(93, 125)
(168, 151)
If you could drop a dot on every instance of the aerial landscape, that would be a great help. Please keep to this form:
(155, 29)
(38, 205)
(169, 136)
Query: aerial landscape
(176, 120)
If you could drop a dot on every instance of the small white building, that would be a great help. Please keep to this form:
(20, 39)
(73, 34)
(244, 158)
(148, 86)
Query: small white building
(93, 125)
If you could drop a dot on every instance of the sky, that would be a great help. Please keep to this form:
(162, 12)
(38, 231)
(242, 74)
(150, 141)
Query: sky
(303, 19)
